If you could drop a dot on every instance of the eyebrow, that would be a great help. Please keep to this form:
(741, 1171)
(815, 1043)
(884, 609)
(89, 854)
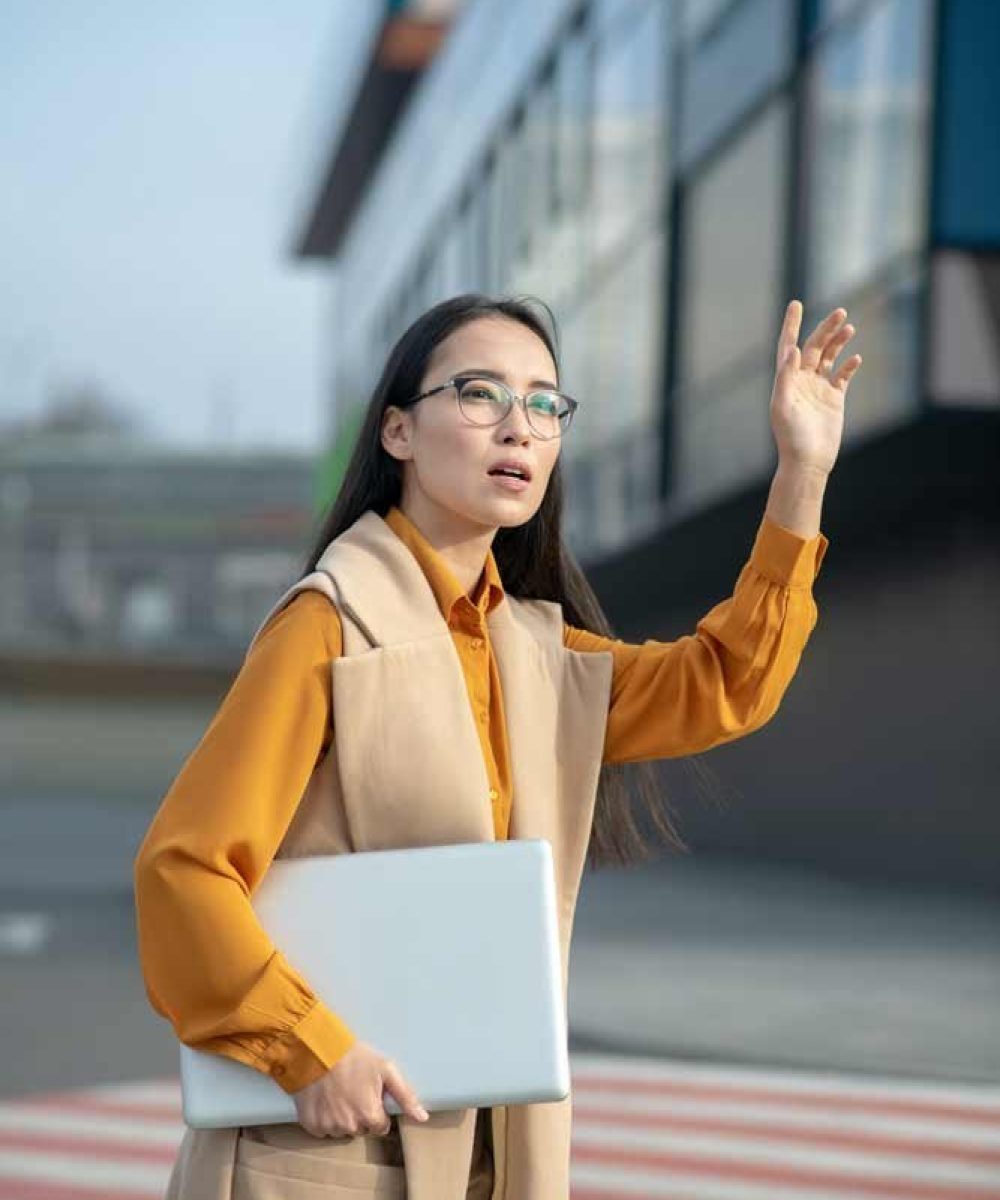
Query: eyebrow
(533, 383)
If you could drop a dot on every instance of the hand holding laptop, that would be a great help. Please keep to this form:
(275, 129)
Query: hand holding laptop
(347, 1100)
(466, 997)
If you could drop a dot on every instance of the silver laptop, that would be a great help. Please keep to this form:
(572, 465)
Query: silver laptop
(444, 958)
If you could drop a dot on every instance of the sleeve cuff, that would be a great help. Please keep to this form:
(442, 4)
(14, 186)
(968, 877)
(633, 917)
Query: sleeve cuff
(786, 557)
(304, 1053)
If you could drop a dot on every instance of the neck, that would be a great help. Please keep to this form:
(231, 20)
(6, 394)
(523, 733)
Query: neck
(461, 543)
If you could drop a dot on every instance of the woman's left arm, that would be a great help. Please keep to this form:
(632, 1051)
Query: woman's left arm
(728, 678)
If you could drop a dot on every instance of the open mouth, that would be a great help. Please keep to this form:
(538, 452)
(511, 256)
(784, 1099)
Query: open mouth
(511, 471)
(511, 482)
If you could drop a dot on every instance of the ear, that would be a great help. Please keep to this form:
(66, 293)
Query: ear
(396, 431)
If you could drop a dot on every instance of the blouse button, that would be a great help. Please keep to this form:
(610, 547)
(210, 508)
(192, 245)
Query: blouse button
(483, 716)
(494, 794)
(476, 643)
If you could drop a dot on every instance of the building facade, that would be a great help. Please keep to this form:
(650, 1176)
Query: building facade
(667, 174)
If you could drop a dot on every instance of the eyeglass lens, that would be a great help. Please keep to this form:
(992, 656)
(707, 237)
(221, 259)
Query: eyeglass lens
(486, 402)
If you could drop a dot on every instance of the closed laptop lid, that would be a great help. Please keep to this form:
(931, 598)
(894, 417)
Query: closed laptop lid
(444, 958)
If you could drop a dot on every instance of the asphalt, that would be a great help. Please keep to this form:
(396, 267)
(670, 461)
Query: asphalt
(687, 957)
(736, 962)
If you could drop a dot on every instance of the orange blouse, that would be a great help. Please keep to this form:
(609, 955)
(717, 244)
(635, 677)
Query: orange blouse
(208, 965)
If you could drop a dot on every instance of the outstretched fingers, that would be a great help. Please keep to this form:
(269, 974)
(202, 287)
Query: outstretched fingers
(816, 343)
(833, 347)
(789, 335)
(821, 348)
(846, 372)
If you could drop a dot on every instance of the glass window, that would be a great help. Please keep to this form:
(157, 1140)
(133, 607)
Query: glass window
(734, 227)
(580, 363)
(574, 376)
(628, 337)
(451, 275)
(581, 504)
(572, 83)
(605, 14)
(480, 230)
(830, 10)
(725, 438)
(733, 248)
(539, 177)
(749, 50)
(516, 161)
(536, 191)
(697, 17)
(630, 125)
(567, 231)
(866, 145)
(500, 216)
(617, 341)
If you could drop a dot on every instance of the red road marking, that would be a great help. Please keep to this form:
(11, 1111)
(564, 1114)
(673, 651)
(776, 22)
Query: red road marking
(917, 1145)
(961, 1111)
(90, 1145)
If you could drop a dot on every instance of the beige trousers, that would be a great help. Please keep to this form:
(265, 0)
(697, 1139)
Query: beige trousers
(284, 1162)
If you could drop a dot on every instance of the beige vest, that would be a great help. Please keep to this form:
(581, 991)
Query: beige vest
(405, 768)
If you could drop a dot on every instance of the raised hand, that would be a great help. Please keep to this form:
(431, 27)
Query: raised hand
(807, 400)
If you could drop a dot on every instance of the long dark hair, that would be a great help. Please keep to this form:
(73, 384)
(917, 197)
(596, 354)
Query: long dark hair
(533, 561)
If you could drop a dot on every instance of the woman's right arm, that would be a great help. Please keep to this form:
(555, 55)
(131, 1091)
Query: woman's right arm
(208, 965)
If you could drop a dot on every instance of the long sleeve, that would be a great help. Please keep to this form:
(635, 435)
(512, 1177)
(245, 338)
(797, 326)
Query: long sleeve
(725, 680)
(208, 965)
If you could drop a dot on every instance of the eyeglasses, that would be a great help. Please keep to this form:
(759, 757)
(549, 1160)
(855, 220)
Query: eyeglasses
(488, 401)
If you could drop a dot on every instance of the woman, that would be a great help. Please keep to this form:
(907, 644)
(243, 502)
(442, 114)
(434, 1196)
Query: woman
(349, 728)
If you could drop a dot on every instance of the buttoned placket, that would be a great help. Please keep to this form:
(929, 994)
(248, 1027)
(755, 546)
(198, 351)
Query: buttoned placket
(477, 642)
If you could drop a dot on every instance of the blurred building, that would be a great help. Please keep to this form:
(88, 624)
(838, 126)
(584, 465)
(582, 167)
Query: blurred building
(667, 175)
(115, 548)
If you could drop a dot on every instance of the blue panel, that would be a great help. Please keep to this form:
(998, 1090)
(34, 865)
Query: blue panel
(967, 169)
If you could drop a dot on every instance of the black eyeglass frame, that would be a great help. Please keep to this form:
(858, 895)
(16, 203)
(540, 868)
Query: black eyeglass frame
(465, 376)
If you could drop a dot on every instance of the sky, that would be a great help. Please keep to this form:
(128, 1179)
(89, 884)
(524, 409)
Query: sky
(155, 163)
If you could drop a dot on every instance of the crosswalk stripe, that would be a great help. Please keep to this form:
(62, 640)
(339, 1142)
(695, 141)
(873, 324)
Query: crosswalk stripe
(642, 1129)
(33, 1189)
(646, 1128)
(113, 1174)
(591, 1184)
(156, 1092)
(882, 1175)
(105, 1104)
(16, 1119)
(972, 1102)
(977, 1146)
(77, 1145)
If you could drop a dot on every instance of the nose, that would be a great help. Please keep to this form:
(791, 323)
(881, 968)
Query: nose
(515, 424)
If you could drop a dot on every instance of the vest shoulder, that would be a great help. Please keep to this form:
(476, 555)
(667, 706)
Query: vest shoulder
(310, 601)
(543, 618)
(314, 600)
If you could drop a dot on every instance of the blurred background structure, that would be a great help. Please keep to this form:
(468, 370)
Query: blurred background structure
(667, 176)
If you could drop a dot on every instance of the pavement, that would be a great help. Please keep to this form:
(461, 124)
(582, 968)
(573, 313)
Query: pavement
(687, 957)
(710, 960)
